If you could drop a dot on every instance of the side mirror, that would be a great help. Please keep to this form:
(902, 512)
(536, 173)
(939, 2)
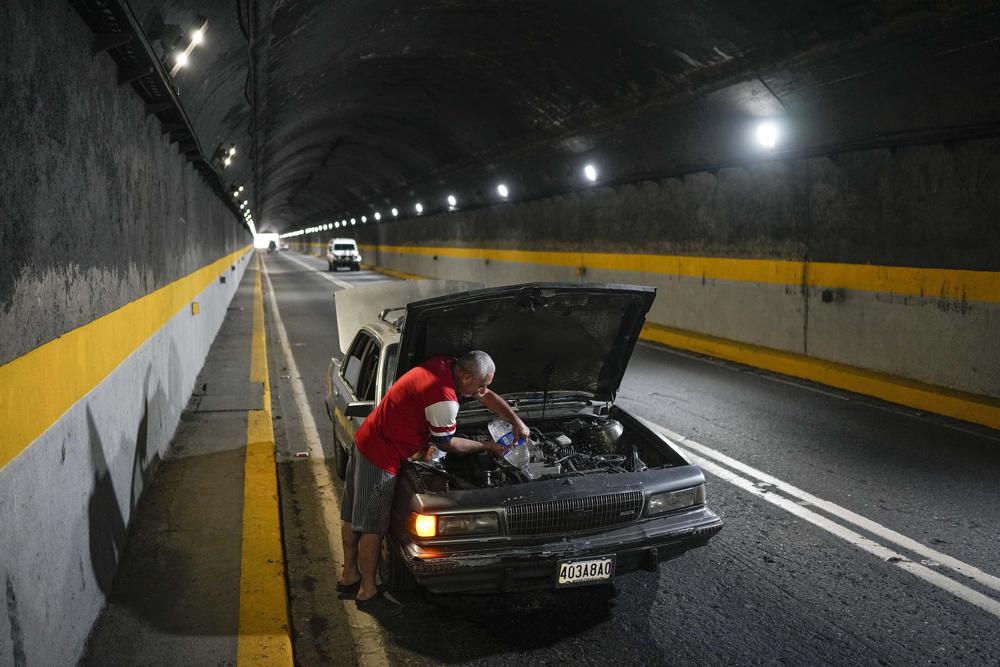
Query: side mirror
(359, 409)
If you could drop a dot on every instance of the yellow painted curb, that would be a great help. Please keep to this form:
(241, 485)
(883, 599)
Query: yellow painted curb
(37, 388)
(930, 398)
(265, 631)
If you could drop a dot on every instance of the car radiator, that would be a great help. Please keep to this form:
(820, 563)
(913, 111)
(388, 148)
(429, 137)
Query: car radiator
(574, 514)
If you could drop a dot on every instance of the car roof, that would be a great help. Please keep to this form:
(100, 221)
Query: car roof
(343, 241)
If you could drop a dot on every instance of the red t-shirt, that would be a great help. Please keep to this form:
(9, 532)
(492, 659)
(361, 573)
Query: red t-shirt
(420, 407)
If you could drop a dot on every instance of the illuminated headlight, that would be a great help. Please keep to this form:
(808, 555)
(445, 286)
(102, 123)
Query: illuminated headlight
(660, 503)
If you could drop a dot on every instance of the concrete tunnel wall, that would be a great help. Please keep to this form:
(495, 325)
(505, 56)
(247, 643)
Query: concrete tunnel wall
(903, 244)
(106, 237)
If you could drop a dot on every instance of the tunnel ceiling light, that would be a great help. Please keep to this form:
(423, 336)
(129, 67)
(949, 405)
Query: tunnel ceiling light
(236, 193)
(419, 208)
(378, 216)
(353, 221)
(241, 188)
(336, 225)
(767, 134)
(181, 59)
(395, 212)
(502, 190)
(452, 201)
(232, 149)
(364, 218)
(590, 173)
(227, 161)
(198, 36)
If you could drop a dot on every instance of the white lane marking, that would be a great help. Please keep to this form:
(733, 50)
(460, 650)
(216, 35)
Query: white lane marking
(367, 637)
(877, 529)
(339, 283)
(961, 591)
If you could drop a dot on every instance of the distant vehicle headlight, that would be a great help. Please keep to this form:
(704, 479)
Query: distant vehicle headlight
(660, 503)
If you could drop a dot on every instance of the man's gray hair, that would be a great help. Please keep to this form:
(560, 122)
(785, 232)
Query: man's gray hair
(477, 363)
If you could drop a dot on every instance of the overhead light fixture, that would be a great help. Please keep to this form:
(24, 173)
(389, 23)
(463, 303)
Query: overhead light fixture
(246, 201)
(241, 188)
(336, 225)
(395, 212)
(198, 36)
(502, 190)
(227, 161)
(590, 173)
(364, 218)
(767, 134)
(236, 193)
(452, 201)
(378, 216)
(181, 59)
(353, 221)
(419, 208)
(232, 149)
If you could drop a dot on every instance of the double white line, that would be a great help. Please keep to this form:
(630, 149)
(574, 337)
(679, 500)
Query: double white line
(727, 469)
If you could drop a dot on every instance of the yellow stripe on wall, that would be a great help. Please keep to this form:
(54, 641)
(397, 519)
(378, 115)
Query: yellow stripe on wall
(264, 633)
(960, 405)
(37, 388)
(955, 284)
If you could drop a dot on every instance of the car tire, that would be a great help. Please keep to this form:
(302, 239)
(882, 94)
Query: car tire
(393, 571)
(355, 267)
(340, 456)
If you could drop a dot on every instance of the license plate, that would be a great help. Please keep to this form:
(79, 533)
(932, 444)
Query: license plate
(582, 572)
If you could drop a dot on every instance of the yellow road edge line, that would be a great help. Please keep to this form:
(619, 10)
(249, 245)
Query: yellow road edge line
(264, 630)
(37, 388)
(968, 407)
(953, 284)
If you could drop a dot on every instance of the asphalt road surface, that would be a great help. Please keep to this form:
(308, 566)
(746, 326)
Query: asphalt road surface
(856, 532)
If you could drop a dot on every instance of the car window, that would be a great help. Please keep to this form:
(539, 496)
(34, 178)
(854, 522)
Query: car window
(343, 246)
(352, 362)
(369, 371)
(389, 370)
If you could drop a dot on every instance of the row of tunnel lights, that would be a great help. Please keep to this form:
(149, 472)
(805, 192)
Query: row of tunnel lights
(767, 134)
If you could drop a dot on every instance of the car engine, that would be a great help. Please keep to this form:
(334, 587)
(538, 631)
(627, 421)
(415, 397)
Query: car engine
(581, 446)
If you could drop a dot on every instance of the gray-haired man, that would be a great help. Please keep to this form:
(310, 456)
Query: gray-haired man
(420, 409)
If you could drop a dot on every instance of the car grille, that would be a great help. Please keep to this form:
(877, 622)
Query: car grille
(574, 514)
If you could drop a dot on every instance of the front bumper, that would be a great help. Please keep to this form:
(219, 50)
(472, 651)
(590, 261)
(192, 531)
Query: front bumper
(531, 565)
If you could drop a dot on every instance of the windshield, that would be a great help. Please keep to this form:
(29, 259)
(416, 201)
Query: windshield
(343, 246)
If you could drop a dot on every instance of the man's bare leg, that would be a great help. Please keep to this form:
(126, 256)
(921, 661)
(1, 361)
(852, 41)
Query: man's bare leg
(368, 551)
(350, 540)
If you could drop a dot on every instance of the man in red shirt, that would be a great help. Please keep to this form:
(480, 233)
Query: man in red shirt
(420, 409)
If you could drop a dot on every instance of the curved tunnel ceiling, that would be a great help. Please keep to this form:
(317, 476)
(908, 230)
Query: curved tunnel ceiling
(366, 104)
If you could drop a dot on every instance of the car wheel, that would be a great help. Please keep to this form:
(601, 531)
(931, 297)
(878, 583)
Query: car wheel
(339, 456)
(392, 570)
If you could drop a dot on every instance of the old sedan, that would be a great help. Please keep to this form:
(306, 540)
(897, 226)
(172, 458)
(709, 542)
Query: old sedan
(601, 495)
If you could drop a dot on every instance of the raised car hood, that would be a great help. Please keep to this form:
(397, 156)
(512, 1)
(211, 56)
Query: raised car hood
(559, 336)
(362, 305)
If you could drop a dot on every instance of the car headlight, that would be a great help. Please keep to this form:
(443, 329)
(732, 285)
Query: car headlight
(660, 503)
(431, 525)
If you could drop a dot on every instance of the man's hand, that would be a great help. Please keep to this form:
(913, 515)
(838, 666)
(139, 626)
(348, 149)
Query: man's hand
(521, 431)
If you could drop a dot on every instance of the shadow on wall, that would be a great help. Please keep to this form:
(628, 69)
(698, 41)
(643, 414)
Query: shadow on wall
(16, 634)
(107, 524)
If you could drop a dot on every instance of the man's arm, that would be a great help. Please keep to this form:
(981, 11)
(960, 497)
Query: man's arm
(466, 446)
(495, 404)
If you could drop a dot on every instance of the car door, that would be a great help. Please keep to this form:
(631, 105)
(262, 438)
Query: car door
(356, 384)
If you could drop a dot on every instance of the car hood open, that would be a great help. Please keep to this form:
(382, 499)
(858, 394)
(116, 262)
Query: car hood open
(555, 336)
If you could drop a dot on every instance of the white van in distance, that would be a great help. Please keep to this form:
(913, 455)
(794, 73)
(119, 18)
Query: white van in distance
(342, 252)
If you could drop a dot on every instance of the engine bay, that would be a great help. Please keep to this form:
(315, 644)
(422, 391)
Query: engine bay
(583, 445)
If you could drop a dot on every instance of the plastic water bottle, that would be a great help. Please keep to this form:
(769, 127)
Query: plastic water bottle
(517, 453)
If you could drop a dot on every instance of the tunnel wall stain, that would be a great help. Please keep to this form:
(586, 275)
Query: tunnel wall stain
(919, 212)
(97, 211)
(98, 208)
